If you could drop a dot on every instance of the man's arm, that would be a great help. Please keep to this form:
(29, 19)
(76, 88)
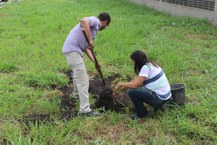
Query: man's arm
(89, 54)
(86, 28)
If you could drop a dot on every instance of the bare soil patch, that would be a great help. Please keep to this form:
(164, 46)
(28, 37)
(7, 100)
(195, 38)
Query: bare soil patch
(103, 95)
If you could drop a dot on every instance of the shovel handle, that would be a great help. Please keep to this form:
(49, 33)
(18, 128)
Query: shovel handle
(94, 57)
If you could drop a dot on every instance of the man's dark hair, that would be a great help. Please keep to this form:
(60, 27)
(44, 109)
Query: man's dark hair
(104, 16)
(140, 59)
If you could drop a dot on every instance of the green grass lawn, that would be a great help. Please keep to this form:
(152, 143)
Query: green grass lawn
(32, 33)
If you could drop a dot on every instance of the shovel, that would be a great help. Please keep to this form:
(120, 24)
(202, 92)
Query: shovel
(94, 57)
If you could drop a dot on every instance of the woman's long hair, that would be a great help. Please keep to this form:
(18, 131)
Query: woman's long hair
(140, 59)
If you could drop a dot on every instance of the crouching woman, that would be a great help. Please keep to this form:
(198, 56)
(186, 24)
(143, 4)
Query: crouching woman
(150, 86)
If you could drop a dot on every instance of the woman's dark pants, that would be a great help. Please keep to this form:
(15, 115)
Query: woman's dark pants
(140, 96)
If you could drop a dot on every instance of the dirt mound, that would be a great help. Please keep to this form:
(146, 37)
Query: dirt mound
(97, 86)
(104, 95)
(108, 101)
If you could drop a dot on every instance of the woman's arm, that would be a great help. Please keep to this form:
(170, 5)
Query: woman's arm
(136, 83)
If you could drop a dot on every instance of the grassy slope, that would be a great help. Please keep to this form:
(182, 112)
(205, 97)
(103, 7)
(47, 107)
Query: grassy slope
(31, 37)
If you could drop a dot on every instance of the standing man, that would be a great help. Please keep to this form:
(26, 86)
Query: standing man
(73, 48)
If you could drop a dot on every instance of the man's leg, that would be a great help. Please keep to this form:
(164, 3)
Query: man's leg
(75, 88)
(81, 79)
(82, 83)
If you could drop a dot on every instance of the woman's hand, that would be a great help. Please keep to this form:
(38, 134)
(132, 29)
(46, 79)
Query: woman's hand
(116, 87)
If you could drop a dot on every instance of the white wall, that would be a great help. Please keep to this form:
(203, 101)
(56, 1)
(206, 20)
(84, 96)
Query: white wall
(181, 10)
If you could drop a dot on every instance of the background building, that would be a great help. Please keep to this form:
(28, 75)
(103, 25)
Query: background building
(194, 8)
